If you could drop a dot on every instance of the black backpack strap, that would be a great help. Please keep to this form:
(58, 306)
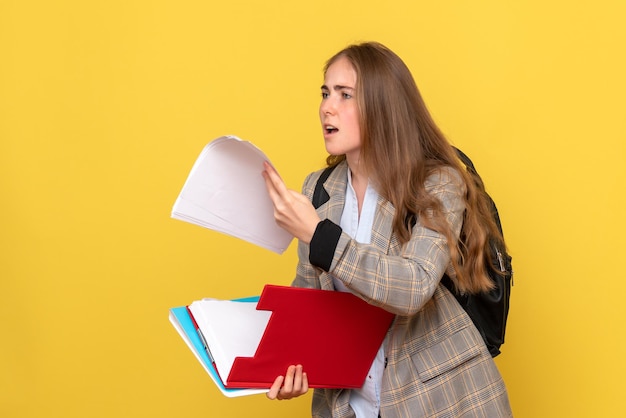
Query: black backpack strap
(466, 160)
(320, 196)
(470, 167)
(479, 182)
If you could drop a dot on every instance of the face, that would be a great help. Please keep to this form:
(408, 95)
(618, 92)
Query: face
(339, 112)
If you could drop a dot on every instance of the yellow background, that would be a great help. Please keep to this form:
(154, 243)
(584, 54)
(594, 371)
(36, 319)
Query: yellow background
(105, 105)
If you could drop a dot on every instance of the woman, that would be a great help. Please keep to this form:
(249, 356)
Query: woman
(399, 200)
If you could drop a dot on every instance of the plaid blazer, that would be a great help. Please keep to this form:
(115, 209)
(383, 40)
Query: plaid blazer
(437, 363)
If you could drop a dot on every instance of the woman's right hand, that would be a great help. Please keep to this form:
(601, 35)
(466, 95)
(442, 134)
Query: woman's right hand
(293, 211)
(292, 385)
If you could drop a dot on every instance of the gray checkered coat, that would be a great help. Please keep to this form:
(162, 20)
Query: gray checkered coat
(437, 363)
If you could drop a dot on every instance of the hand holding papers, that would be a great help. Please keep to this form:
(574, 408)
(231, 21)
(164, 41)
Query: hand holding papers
(225, 191)
(333, 335)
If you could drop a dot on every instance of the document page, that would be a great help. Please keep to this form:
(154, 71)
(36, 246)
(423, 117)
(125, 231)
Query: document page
(231, 329)
(225, 191)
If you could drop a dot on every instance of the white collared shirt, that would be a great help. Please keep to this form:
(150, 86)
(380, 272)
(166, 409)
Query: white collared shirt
(365, 401)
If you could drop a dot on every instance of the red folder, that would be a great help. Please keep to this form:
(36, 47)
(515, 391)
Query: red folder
(334, 335)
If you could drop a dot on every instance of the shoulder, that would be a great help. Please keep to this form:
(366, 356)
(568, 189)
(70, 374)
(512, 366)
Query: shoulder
(447, 185)
(332, 179)
(445, 179)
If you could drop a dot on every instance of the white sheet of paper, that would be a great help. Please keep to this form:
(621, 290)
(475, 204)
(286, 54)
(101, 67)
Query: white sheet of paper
(183, 330)
(225, 191)
(231, 329)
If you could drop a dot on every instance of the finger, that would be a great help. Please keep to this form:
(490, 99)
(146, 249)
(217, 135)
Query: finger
(275, 389)
(305, 382)
(297, 381)
(273, 184)
(270, 168)
(301, 382)
(269, 185)
(275, 178)
(288, 382)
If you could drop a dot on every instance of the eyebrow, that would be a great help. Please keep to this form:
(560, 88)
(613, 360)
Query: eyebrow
(337, 87)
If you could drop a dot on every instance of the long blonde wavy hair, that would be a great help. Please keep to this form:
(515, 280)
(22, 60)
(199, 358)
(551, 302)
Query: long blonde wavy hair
(402, 146)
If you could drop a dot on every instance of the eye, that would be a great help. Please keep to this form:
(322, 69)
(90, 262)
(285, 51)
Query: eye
(346, 95)
(324, 95)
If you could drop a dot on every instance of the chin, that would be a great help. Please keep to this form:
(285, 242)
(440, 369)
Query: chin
(332, 150)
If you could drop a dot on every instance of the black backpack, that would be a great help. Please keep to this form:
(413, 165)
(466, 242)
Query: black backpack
(488, 310)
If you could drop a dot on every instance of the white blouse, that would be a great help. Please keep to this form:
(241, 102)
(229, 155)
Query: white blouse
(365, 401)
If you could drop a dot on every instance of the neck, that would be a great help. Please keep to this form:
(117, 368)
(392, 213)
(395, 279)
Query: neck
(357, 170)
(359, 181)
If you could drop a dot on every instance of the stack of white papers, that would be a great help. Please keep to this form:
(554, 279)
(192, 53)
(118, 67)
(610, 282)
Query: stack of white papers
(236, 332)
(225, 191)
(189, 330)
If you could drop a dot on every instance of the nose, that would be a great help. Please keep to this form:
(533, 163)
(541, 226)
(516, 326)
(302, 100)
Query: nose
(327, 106)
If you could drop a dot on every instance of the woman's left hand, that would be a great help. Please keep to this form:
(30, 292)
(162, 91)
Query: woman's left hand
(292, 210)
(292, 385)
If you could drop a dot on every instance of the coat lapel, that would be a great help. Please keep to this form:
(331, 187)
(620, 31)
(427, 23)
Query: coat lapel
(332, 209)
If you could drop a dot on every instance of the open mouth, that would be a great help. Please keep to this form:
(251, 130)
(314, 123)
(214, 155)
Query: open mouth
(329, 129)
